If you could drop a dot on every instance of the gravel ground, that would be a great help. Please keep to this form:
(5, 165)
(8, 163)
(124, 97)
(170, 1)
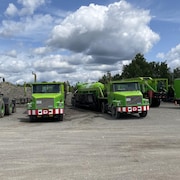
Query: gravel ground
(93, 146)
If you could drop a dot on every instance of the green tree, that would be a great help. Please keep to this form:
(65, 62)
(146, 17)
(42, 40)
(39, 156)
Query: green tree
(117, 77)
(137, 68)
(106, 78)
(176, 73)
(159, 70)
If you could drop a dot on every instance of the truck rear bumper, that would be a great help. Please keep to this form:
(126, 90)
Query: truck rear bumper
(131, 109)
(43, 112)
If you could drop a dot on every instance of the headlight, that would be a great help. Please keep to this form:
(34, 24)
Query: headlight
(146, 100)
(29, 105)
(60, 103)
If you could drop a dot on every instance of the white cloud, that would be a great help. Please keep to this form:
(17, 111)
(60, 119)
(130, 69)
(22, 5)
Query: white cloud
(41, 50)
(117, 32)
(12, 53)
(173, 57)
(11, 10)
(53, 63)
(160, 55)
(28, 7)
(33, 27)
(12, 65)
(9, 28)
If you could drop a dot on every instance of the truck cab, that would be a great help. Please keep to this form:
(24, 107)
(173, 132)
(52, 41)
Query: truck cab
(126, 97)
(47, 101)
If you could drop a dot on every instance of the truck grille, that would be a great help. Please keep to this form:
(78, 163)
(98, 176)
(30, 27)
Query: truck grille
(130, 100)
(44, 103)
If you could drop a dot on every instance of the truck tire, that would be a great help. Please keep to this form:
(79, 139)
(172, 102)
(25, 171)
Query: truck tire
(73, 101)
(155, 102)
(59, 117)
(115, 114)
(103, 107)
(2, 109)
(143, 114)
(8, 105)
(13, 106)
(8, 108)
(32, 118)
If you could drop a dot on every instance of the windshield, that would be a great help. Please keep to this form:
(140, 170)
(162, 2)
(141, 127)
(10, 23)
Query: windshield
(46, 88)
(129, 86)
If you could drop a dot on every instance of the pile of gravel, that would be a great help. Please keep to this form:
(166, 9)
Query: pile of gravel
(14, 92)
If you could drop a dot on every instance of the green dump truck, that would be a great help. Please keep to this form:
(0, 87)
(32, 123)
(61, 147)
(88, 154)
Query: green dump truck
(154, 89)
(47, 101)
(176, 88)
(116, 97)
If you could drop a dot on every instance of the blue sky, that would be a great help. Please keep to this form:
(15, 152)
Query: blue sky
(82, 40)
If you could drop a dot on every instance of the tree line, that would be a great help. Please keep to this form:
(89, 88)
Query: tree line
(139, 67)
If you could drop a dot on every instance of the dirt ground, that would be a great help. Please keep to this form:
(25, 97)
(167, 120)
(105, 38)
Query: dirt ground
(93, 146)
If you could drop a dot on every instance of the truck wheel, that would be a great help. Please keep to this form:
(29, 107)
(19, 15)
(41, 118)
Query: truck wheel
(115, 113)
(103, 108)
(32, 118)
(8, 108)
(155, 102)
(14, 108)
(73, 102)
(59, 118)
(143, 114)
(2, 109)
